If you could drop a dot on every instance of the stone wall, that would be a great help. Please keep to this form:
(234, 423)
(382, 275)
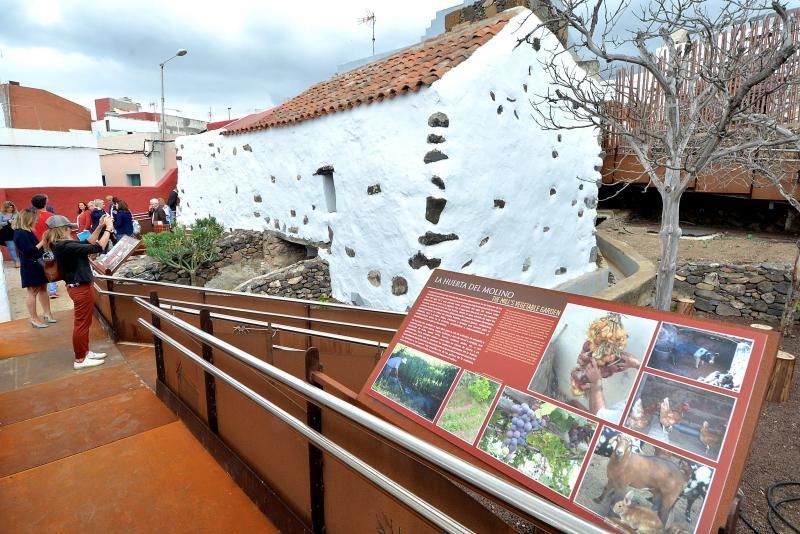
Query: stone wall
(757, 291)
(233, 247)
(309, 279)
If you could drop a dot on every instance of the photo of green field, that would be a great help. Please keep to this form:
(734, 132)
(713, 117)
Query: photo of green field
(468, 406)
(415, 380)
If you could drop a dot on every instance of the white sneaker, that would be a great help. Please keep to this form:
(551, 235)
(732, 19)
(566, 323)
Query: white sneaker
(87, 362)
(96, 355)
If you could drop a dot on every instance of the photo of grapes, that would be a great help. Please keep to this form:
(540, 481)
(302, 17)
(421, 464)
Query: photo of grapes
(468, 406)
(540, 440)
(593, 359)
(415, 380)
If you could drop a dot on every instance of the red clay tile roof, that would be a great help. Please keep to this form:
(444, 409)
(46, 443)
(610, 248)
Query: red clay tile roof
(407, 70)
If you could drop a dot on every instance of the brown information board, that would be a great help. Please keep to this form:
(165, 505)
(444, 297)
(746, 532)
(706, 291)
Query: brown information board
(120, 252)
(603, 408)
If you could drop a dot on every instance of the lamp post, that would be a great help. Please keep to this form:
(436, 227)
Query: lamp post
(180, 52)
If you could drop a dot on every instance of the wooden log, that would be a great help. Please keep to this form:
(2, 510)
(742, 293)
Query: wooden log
(685, 306)
(780, 385)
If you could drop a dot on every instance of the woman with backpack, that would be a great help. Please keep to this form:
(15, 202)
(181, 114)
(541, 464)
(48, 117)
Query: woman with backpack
(73, 261)
(32, 274)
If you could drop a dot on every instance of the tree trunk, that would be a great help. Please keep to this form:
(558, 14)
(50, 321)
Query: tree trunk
(670, 235)
(792, 297)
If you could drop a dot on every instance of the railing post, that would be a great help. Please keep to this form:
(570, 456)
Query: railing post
(211, 387)
(315, 457)
(112, 306)
(157, 343)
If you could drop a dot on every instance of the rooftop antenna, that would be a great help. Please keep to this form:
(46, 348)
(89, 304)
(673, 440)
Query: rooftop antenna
(369, 18)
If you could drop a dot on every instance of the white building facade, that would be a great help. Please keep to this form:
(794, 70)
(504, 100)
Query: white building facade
(428, 158)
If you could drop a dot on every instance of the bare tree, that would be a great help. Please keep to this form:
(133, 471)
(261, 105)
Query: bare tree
(698, 89)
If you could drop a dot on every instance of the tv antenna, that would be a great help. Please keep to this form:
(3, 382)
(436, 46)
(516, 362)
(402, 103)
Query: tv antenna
(369, 18)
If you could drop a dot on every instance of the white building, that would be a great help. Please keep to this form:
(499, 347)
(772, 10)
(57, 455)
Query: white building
(427, 158)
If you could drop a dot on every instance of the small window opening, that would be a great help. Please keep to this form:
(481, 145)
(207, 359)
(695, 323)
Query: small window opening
(328, 187)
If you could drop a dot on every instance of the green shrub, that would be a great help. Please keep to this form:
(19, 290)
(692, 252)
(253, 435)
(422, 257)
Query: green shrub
(185, 248)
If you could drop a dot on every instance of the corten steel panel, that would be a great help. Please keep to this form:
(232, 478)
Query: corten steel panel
(17, 338)
(128, 312)
(57, 395)
(354, 505)
(729, 179)
(42, 440)
(351, 368)
(276, 452)
(101, 301)
(250, 302)
(763, 190)
(160, 480)
(350, 315)
(184, 377)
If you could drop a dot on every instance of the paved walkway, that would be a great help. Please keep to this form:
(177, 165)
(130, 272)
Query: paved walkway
(16, 295)
(96, 451)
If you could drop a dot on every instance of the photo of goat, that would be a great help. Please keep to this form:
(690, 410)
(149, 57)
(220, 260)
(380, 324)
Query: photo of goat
(638, 487)
(716, 359)
(592, 360)
(685, 416)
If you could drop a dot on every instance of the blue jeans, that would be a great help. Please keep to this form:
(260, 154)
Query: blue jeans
(12, 251)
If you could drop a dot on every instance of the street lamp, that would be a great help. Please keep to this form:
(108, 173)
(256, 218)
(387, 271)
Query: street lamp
(180, 52)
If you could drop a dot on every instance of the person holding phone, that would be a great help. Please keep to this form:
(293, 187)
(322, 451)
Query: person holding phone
(73, 259)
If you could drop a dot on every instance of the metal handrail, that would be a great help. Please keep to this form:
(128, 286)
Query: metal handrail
(117, 279)
(512, 495)
(285, 328)
(254, 312)
(420, 506)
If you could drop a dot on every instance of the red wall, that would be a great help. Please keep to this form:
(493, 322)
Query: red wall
(65, 199)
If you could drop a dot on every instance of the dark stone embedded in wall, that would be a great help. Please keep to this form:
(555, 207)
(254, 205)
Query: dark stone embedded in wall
(313, 207)
(438, 182)
(293, 213)
(433, 209)
(431, 238)
(511, 99)
(373, 189)
(546, 229)
(234, 151)
(236, 189)
(434, 156)
(590, 202)
(555, 154)
(283, 227)
(330, 233)
(210, 144)
(499, 203)
(552, 191)
(199, 165)
(559, 138)
(435, 139)
(267, 219)
(525, 87)
(247, 148)
(491, 94)
(325, 169)
(580, 187)
(418, 260)
(219, 150)
(516, 114)
(374, 278)
(598, 168)
(272, 179)
(299, 177)
(438, 120)
(294, 229)
(399, 286)
(350, 252)
(256, 214)
(256, 198)
(561, 270)
(191, 167)
(469, 262)
(499, 109)
(574, 201)
(213, 155)
(277, 224)
(526, 264)
(537, 43)
(305, 219)
(593, 255)
(484, 241)
(181, 146)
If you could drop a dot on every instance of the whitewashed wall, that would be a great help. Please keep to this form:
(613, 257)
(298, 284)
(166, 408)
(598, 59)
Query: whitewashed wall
(5, 309)
(34, 158)
(545, 181)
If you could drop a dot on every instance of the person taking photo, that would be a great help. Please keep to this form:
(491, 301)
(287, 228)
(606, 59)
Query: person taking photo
(73, 260)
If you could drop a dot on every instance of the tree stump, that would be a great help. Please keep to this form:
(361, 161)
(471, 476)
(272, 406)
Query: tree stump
(780, 385)
(685, 306)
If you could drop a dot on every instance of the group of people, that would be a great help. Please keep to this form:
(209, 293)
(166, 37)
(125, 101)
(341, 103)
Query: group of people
(30, 232)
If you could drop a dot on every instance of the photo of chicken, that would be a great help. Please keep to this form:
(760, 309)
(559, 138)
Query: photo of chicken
(689, 418)
(669, 417)
(710, 438)
(640, 418)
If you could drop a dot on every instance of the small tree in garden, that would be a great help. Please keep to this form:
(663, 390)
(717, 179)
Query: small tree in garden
(697, 90)
(185, 248)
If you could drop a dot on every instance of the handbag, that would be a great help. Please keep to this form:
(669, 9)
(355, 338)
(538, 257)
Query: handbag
(52, 270)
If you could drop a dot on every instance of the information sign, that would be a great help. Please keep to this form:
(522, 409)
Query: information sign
(118, 253)
(600, 407)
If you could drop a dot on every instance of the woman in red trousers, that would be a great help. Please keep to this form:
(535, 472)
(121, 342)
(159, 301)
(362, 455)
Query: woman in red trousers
(73, 259)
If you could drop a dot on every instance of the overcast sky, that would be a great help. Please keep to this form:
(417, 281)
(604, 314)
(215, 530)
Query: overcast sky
(248, 55)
